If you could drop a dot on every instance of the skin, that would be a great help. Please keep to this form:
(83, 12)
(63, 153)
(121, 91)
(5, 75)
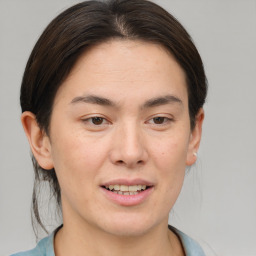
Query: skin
(135, 137)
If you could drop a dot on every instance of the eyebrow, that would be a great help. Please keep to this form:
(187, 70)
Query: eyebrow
(93, 99)
(154, 102)
(164, 100)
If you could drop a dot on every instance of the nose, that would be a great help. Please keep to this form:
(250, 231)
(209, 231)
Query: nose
(128, 147)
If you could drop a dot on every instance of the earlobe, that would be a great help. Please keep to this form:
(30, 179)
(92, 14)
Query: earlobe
(38, 140)
(195, 139)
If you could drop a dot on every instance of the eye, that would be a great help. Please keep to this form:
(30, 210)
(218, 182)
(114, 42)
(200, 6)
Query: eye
(96, 121)
(159, 120)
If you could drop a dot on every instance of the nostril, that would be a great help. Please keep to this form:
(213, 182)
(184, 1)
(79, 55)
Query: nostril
(120, 162)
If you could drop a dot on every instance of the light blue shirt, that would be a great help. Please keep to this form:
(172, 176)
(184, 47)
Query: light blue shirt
(45, 246)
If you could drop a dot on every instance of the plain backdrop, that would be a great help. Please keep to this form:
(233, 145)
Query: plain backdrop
(217, 205)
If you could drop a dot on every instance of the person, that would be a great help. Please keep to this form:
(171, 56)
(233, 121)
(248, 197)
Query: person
(112, 105)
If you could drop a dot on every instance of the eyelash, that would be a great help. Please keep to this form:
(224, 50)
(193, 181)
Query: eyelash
(98, 122)
(165, 120)
(91, 120)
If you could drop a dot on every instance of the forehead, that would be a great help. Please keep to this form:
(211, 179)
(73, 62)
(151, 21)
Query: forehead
(125, 66)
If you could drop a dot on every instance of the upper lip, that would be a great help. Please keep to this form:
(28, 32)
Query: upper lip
(128, 182)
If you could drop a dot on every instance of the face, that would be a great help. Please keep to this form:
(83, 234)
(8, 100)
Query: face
(120, 137)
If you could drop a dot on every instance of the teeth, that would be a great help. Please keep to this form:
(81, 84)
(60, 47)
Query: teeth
(133, 188)
(116, 187)
(133, 193)
(124, 188)
(128, 190)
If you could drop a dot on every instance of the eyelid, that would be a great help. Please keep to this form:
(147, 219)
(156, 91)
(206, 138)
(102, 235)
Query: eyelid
(88, 120)
(168, 119)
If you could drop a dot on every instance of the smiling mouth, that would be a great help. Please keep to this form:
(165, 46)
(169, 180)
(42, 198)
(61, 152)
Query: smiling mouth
(126, 190)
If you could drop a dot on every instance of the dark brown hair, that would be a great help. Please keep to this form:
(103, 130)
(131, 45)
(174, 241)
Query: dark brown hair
(85, 25)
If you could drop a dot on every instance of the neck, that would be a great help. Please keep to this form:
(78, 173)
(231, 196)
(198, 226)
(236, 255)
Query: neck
(87, 240)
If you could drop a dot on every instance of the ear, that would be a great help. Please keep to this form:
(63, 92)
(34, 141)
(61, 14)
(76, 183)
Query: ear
(195, 138)
(38, 140)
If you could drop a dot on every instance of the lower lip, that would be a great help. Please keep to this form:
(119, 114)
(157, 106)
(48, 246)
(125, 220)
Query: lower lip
(128, 200)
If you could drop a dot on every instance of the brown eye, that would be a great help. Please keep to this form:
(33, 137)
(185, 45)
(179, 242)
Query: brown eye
(159, 120)
(97, 120)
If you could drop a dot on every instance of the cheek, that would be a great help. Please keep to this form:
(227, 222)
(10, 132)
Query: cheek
(173, 165)
(77, 159)
(170, 161)
(170, 154)
(77, 147)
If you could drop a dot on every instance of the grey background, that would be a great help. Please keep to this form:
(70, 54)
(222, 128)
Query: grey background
(217, 205)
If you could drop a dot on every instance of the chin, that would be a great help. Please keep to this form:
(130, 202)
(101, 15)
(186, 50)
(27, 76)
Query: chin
(129, 226)
(127, 231)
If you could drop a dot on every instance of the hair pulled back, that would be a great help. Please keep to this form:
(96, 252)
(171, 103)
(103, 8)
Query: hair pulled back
(85, 25)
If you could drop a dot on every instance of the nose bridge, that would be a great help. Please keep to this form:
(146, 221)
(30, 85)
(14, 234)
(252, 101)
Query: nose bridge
(129, 148)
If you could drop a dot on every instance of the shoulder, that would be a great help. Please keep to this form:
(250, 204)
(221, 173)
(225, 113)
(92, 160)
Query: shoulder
(43, 248)
(191, 247)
